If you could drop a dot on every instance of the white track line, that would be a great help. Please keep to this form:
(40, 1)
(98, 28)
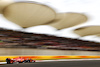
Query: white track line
(65, 60)
(3, 63)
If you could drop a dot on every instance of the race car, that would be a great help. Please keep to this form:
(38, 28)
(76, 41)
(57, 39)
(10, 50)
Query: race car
(19, 60)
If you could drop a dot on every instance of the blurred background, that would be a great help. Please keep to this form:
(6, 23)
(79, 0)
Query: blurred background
(46, 37)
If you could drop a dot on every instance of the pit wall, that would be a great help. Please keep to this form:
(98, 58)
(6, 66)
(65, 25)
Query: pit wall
(3, 58)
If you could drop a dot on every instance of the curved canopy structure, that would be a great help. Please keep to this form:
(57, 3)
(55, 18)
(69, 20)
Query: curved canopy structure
(98, 35)
(90, 30)
(5, 3)
(65, 20)
(29, 14)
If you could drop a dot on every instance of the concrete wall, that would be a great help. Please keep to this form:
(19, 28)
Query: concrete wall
(27, 51)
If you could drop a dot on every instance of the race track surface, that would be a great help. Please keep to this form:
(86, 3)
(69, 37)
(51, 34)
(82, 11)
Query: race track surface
(57, 64)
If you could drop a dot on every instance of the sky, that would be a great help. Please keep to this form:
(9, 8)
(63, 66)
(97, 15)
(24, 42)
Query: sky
(88, 7)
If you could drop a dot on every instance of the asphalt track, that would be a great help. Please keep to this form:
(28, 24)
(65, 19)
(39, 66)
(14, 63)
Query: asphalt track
(57, 64)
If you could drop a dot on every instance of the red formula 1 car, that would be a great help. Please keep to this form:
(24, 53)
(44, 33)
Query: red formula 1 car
(19, 60)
